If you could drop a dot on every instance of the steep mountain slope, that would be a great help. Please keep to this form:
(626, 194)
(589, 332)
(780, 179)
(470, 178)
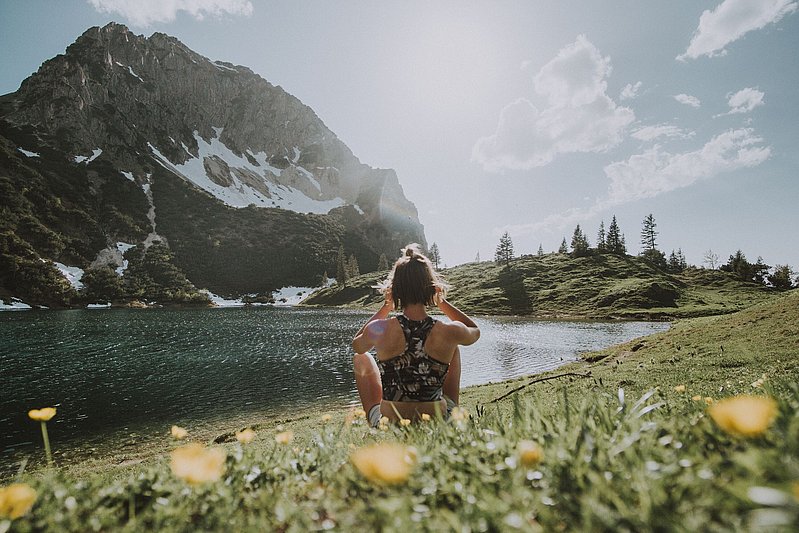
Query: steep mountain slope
(127, 139)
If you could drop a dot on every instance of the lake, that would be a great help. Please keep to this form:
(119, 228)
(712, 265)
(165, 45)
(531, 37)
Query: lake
(122, 371)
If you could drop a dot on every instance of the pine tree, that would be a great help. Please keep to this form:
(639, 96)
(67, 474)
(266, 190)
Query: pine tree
(649, 234)
(781, 277)
(352, 267)
(477, 258)
(341, 267)
(564, 248)
(614, 243)
(540, 250)
(504, 252)
(580, 243)
(601, 243)
(382, 263)
(435, 255)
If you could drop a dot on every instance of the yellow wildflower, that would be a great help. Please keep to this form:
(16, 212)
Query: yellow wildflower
(696, 398)
(530, 453)
(679, 388)
(384, 463)
(359, 413)
(425, 417)
(405, 422)
(747, 416)
(284, 437)
(459, 414)
(383, 424)
(178, 433)
(195, 464)
(17, 499)
(42, 415)
(245, 436)
(326, 419)
(708, 400)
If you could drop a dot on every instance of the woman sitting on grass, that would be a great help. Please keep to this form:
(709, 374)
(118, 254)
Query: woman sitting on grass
(417, 368)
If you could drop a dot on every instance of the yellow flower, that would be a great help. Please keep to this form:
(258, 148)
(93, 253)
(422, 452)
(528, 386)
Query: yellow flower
(696, 398)
(425, 417)
(359, 413)
(326, 419)
(384, 463)
(42, 415)
(245, 436)
(284, 437)
(795, 489)
(383, 424)
(679, 388)
(405, 422)
(459, 414)
(17, 499)
(747, 416)
(530, 453)
(178, 432)
(195, 464)
(708, 400)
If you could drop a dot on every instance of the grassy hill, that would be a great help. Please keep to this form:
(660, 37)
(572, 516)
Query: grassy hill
(556, 285)
(631, 447)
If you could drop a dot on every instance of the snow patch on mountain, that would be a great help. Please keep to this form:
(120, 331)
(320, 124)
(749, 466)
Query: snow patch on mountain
(230, 186)
(27, 153)
(88, 159)
(73, 274)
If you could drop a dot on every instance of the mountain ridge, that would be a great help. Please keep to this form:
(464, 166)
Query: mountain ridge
(120, 129)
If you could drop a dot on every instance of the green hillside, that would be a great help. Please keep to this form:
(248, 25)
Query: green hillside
(556, 285)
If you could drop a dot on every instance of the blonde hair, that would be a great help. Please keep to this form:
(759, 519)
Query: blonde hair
(412, 279)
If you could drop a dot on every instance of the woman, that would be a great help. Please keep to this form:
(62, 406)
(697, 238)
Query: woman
(417, 367)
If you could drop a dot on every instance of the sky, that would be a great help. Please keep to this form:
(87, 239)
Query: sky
(525, 116)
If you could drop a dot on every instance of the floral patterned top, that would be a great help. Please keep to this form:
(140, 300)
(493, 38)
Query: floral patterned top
(413, 376)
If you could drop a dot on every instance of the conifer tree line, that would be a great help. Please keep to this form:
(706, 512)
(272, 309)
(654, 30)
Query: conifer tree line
(612, 241)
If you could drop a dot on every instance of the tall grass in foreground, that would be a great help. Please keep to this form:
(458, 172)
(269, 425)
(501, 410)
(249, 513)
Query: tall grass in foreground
(600, 462)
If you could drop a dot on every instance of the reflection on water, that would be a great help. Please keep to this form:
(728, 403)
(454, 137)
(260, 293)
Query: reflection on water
(119, 370)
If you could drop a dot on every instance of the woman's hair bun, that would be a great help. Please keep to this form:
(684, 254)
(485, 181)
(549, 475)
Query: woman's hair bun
(409, 252)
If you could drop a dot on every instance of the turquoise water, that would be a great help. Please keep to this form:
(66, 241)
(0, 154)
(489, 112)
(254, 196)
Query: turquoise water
(118, 371)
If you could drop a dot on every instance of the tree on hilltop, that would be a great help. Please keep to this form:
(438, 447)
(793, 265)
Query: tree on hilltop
(580, 244)
(649, 234)
(564, 247)
(435, 255)
(504, 252)
(540, 250)
(677, 262)
(781, 277)
(711, 259)
(601, 238)
(615, 239)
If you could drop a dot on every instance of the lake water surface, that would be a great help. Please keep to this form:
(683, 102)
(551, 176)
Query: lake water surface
(123, 370)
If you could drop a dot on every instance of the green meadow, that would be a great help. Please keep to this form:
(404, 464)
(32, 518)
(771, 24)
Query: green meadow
(624, 441)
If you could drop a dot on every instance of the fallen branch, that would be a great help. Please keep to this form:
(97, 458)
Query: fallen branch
(539, 380)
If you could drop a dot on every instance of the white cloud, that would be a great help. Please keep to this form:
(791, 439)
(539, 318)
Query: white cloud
(655, 172)
(687, 99)
(649, 133)
(579, 117)
(142, 13)
(730, 21)
(630, 91)
(745, 100)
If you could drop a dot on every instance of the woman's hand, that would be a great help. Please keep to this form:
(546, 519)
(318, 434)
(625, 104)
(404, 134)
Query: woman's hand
(389, 299)
(438, 297)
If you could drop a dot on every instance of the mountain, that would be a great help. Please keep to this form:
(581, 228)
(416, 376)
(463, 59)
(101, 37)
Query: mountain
(126, 140)
(555, 285)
